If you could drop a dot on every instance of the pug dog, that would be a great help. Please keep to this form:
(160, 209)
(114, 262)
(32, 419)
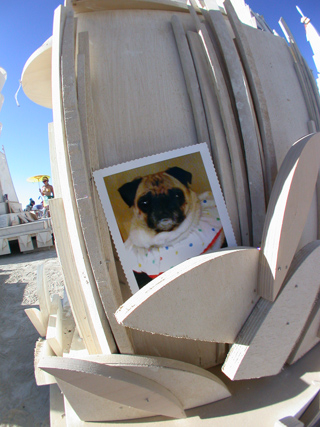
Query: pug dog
(166, 222)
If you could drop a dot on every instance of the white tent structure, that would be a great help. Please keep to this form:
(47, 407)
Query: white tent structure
(313, 38)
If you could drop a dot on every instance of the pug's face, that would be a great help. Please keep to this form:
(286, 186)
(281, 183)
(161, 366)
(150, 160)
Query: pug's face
(160, 201)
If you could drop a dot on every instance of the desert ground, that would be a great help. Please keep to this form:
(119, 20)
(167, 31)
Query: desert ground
(22, 402)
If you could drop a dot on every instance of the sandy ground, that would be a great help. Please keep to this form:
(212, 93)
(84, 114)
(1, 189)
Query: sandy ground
(22, 402)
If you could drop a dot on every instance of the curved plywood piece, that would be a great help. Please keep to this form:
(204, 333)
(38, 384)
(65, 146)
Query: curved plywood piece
(36, 75)
(223, 285)
(89, 407)
(80, 6)
(191, 79)
(270, 333)
(115, 384)
(309, 336)
(287, 212)
(256, 88)
(172, 374)
(99, 337)
(79, 156)
(254, 155)
(219, 146)
(230, 128)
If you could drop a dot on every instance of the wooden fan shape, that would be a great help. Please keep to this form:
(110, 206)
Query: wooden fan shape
(287, 213)
(207, 298)
(271, 331)
(113, 384)
(191, 385)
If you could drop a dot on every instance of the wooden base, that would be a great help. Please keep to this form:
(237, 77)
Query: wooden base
(269, 399)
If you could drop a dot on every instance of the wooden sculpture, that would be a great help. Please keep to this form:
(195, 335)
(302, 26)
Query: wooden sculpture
(132, 79)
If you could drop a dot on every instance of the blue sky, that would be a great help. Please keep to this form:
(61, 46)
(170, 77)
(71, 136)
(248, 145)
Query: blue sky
(26, 25)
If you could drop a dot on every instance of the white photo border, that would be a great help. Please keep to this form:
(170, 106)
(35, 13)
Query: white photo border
(100, 174)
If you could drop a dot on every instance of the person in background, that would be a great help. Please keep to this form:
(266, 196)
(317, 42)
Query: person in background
(30, 205)
(47, 192)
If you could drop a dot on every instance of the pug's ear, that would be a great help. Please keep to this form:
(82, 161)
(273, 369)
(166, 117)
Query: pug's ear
(180, 174)
(128, 191)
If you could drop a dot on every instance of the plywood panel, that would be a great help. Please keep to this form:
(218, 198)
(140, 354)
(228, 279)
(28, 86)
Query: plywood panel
(254, 156)
(141, 105)
(223, 285)
(86, 157)
(219, 146)
(230, 128)
(174, 375)
(99, 326)
(287, 211)
(115, 384)
(270, 333)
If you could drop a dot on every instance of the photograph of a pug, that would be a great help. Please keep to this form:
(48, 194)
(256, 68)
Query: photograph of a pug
(162, 210)
(170, 222)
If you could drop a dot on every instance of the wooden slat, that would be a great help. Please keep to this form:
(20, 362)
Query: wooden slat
(219, 146)
(54, 331)
(254, 156)
(35, 317)
(230, 127)
(85, 192)
(81, 6)
(53, 162)
(71, 276)
(271, 331)
(256, 88)
(287, 212)
(223, 284)
(309, 336)
(191, 80)
(102, 336)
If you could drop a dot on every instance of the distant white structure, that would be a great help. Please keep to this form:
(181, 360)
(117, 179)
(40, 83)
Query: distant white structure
(3, 78)
(313, 38)
(7, 190)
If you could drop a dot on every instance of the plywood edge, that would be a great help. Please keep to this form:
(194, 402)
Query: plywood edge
(271, 331)
(289, 203)
(83, 6)
(166, 305)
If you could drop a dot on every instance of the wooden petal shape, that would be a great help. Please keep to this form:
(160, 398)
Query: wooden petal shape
(172, 374)
(115, 384)
(287, 213)
(206, 298)
(271, 331)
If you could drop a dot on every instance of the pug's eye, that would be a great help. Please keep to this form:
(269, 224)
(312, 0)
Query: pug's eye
(144, 203)
(178, 195)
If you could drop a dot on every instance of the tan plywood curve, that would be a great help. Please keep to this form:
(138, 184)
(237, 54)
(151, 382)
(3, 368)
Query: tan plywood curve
(172, 374)
(115, 384)
(36, 75)
(206, 298)
(270, 333)
(287, 212)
